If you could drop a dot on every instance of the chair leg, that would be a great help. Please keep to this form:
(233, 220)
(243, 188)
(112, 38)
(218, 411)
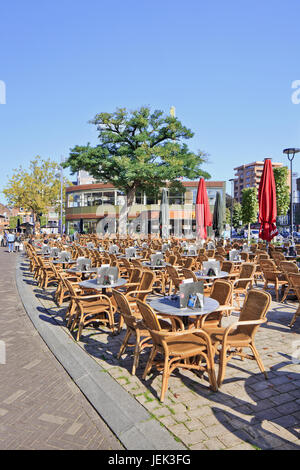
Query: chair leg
(258, 359)
(295, 317)
(136, 355)
(222, 366)
(121, 323)
(149, 363)
(165, 379)
(124, 344)
(286, 291)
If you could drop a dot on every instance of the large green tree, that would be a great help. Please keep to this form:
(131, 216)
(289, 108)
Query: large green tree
(282, 190)
(139, 150)
(35, 189)
(250, 207)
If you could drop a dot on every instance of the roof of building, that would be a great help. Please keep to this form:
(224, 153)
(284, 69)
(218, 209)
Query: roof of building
(257, 163)
(83, 187)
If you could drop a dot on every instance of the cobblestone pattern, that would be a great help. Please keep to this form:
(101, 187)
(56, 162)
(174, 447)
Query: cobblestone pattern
(248, 412)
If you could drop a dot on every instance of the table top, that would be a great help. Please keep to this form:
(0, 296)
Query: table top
(76, 270)
(171, 307)
(128, 257)
(92, 284)
(154, 266)
(203, 276)
(58, 261)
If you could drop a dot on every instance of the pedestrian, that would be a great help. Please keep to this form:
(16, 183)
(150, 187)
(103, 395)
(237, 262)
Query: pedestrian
(4, 239)
(10, 237)
(1, 239)
(17, 243)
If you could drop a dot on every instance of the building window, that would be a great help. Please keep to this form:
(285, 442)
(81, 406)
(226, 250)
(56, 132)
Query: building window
(139, 197)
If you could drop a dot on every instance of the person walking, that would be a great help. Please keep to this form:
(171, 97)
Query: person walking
(10, 237)
(17, 242)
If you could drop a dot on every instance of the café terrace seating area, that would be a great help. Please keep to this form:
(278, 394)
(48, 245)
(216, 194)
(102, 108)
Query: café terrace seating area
(133, 323)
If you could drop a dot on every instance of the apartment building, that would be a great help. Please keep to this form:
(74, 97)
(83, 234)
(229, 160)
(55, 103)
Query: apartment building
(248, 176)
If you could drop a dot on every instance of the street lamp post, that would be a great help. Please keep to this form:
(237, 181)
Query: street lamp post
(231, 212)
(290, 152)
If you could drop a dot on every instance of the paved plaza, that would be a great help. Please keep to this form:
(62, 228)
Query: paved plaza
(248, 412)
(40, 406)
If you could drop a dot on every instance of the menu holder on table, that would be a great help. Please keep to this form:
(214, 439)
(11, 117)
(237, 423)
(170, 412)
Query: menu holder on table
(157, 259)
(191, 294)
(113, 249)
(211, 268)
(46, 250)
(83, 264)
(234, 255)
(130, 252)
(64, 257)
(55, 252)
(107, 275)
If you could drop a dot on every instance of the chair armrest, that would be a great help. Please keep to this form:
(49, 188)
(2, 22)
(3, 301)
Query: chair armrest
(235, 324)
(224, 307)
(243, 279)
(138, 292)
(86, 297)
(170, 334)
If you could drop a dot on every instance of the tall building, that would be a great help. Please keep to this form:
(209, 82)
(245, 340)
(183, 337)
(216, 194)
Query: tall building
(248, 176)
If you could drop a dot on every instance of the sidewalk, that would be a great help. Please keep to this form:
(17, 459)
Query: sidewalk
(40, 406)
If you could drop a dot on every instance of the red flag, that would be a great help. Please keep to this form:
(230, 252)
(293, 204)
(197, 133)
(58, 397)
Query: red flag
(203, 214)
(267, 203)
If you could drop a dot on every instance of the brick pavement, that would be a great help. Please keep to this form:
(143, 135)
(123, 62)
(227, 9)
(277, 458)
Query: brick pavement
(247, 412)
(40, 406)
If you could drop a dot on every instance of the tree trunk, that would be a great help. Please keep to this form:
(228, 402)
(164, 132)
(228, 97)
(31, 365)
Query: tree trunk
(248, 235)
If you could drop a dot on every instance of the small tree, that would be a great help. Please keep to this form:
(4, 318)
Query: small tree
(250, 207)
(227, 216)
(236, 215)
(35, 189)
(282, 190)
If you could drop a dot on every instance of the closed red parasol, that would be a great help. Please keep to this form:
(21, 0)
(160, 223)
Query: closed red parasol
(267, 203)
(203, 214)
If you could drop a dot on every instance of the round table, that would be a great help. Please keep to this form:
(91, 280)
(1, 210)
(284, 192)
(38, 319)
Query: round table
(71, 261)
(203, 276)
(169, 307)
(154, 266)
(92, 284)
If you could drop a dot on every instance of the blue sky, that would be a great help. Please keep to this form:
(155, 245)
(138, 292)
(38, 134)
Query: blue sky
(227, 67)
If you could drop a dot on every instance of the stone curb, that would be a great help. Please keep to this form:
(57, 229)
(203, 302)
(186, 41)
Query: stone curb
(128, 420)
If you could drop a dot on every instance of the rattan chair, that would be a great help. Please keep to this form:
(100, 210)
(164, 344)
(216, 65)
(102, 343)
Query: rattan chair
(239, 335)
(288, 267)
(134, 328)
(295, 283)
(272, 275)
(244, 282)
(181, 349)
(222, 292)
(89, 309)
